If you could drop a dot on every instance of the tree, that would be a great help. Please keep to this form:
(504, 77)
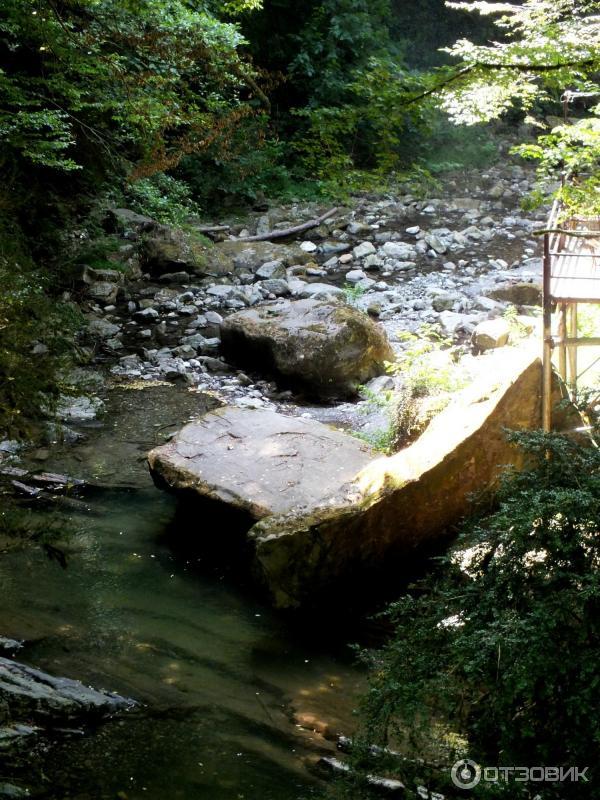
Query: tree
(549, 51)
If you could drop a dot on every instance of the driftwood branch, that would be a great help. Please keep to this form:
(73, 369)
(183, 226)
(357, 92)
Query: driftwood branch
(306, 226)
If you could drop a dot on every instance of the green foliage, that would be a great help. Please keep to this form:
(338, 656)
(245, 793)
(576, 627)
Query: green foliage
(163, 198)
(545, 48)
(36, 336)
(353, 293)
(373, 129)
(495, 653)
(127, 81)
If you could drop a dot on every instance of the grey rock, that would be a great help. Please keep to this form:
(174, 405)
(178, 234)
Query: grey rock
(175, 277)
(258, 461)
(320, 291)
(169, 250)
(398, 250)
(35, 695)
(126, 220)
(322, 347)
(276, 286)
(364, 249)
(78, 409)
(146, 315)
(250, 256)
(102, 329)
(271, 269)
(435, 243)
(355, 275)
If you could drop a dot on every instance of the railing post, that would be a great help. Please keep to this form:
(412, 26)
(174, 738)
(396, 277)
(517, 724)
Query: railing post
(548, 344)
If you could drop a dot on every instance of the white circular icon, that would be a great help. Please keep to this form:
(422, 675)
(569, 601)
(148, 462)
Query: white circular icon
(466, 774)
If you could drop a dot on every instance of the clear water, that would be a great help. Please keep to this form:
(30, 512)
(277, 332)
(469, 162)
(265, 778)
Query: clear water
(221, 675)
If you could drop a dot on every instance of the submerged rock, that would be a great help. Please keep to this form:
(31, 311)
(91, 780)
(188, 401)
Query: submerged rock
(258, 461)
(324, 348)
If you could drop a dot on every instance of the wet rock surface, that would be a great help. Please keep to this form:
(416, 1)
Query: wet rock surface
(30, 694)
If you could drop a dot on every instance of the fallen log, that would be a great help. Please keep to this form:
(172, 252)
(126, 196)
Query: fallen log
(283, 234)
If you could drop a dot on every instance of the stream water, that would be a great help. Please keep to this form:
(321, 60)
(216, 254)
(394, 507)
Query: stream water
(222, 677)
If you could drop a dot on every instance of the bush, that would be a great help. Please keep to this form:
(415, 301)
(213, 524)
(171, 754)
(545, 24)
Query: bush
(495, 655)
(36, 336)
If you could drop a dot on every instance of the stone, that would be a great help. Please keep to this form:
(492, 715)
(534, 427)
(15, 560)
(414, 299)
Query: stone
(364, 249)
(398, 250)
(123, 219)
(146, 315)
(102, 329)
(520, 294)
(324, 348)
(249, 256)
(276, 286)
(435, 243)
(271, 269)
(259, 462)
(355, 275)
(308, 247)
(357, 228)
(35, 695)
(444, 301)
(404, 502)
(78, 409)
(167, 250)
(175, 277)
(491, 334)
(321, 291)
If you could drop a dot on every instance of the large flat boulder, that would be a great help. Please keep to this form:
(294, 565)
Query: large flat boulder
(259, 462)
(324, 348)
(400, 503)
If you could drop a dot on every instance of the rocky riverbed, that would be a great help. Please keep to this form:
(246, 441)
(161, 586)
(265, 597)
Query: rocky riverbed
(456, 261)
(157, 317)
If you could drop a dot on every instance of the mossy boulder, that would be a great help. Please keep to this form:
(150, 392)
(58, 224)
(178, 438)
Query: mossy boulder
(322, 348)
(167, 250)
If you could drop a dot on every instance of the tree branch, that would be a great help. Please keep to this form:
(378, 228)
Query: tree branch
(541, 68)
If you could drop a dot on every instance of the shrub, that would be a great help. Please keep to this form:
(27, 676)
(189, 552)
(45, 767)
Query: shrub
(495, 654)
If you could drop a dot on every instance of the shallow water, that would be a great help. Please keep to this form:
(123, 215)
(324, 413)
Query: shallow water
(220, 674)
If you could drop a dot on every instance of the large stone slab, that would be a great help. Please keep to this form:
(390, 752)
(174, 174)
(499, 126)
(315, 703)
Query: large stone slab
(259, 462)
(400, 503)
(327, 349)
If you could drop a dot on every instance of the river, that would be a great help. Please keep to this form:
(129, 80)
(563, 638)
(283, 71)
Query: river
(222, 678)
